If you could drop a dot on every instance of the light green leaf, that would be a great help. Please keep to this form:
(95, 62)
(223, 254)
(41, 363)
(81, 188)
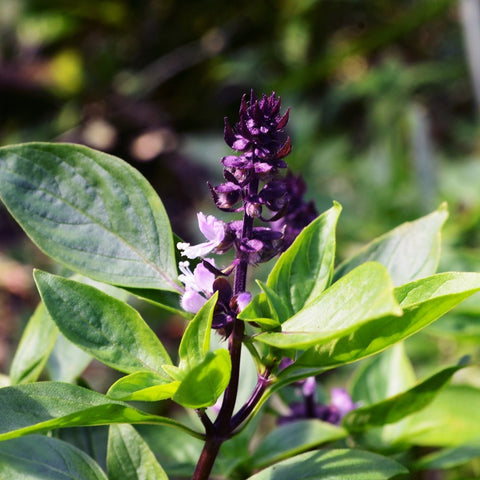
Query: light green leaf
(35, 346)
(388, 374)
(304, 270)
(422, 301)
(258, 311)
(338, 464)
(90, 211)
(364, 294)
(37, 457)
(143, 386)
(410, 251)
(129, 457)
(399, 406)
(43, 406)
(277, 306)
(204, 383)
(196, 339)
(294, 438)
(107, 328)
(451, 420)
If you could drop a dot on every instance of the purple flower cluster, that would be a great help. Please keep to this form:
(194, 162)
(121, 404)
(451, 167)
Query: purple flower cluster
(340, 404)
(253, 184)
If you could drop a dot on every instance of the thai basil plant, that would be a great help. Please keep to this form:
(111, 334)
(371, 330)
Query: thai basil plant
(99, 218)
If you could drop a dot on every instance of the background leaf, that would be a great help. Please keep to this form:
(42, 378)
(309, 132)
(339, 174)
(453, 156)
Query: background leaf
(410, 251)
(90, 211)
(385, 375)
(37, 457)
(393, 409)
(333, 465)
(107, 328)
(129, 457)
(35, 346)
(452, 419)
(293, 438)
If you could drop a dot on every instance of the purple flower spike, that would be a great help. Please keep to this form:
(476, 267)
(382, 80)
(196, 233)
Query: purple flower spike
(214, 232)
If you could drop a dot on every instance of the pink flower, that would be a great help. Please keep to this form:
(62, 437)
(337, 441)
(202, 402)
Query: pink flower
(213, 230)
(198, 285)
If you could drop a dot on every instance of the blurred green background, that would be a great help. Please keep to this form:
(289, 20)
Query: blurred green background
(384, 97)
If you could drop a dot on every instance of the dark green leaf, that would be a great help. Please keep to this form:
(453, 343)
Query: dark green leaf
(410, 251)
(37, 457)
(90, 211)
(304, 270)
(294, 438)
(387, 374)
(129, 457)
(38, 407)
(103, 326)
(339, 464)
(451, 420)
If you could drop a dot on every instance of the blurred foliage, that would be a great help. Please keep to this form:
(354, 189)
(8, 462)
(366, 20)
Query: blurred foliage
(383, 112)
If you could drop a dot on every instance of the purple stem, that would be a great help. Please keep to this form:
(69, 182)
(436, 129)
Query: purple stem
(222, 428)
(251, 403)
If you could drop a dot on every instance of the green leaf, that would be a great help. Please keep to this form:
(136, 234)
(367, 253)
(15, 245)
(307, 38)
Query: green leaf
(304, 270)
(143, 386)
(90, 211)
(37, 457)
(394, 409)
(422, 301)
(204, 383)
(410, 251)
(196, 339)
(130, 458)
(333, 465)
(452, 419)
(107, 328)
(388, 374)
(294, 438)
(43, 406)
(35, 346)
(364, 294)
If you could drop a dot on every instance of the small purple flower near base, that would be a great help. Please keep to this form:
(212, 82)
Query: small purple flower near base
(340, 404)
